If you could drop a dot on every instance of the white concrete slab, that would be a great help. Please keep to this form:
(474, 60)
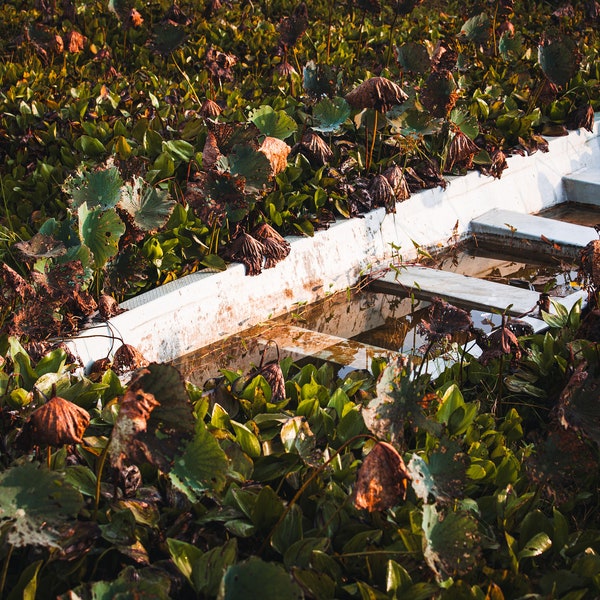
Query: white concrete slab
(583, 186)
(469, 292)
(538, 234)
(203, 308)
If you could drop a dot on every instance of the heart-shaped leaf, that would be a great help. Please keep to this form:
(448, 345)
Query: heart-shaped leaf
(273, 123)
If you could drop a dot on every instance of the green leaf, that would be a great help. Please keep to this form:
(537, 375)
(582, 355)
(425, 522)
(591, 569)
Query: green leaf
(34, 504)
(255, 577)
(26, 587)
(100, 188)
(202, 466)
(267, 509)
(149, 206)
(167, 37)
(330, 114)
(289, 531)
(252, 165)
(185, 556)
(559, 60)
(246, 439)
(477, 28)
(131, 584)
(452, 542)
(510, 46)
(273, 123)
(466, 122)
(208, 570)
(179, 150)
(100, 231)
(90, 146)
(537, 545)
(413, 57)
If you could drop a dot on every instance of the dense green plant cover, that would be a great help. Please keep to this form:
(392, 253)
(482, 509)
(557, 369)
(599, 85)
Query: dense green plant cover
(148, 140)
(293, 482)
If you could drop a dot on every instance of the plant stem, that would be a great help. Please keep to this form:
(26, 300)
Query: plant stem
(310, 479)
(5, 569)
(370, 155)
(101, 464)
(389, 50)
(329, 18)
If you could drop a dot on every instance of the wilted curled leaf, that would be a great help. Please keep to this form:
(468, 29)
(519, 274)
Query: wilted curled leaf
(461, 152)
(75, 41)
(13, 285)
(275, 246)
(292, 28)
(210, 109)
(381, 480)
(210, 153)
(582, 117)
(108, 307)
(589, 264)
(578, 406)
(247, 250)
(277, 152)
(220, 64)
(378, 93)
(56, 423)
(314, 147)
(397, 180)
(272, 373)
(128, 358)
(382, 193)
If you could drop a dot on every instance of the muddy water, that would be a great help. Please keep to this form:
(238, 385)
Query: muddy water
(353, 327)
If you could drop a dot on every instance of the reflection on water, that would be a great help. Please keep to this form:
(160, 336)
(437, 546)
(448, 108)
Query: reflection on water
(351, 328)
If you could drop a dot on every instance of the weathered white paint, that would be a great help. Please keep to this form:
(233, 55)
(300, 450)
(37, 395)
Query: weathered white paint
(204, 307)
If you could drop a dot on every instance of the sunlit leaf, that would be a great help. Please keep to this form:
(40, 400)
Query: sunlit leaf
(150, 207)
(397, 404)
(330, 114)
(100, 231)
(101, 188)
(273, 123)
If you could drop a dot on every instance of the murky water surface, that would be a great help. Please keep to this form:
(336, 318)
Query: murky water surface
(352, 327)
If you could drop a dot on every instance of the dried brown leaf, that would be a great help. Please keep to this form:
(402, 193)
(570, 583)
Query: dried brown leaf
(314, 147)
(277, 152)
(292, 28)
(56, 423)
(378, 93)
(128, 358)
(439, 93)
(382, 193)
(275, 247)
(381, 480)
(247, 250)
(210, 109)
(461, 152)
(397, 180)
(108, 307)
(75, 41)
